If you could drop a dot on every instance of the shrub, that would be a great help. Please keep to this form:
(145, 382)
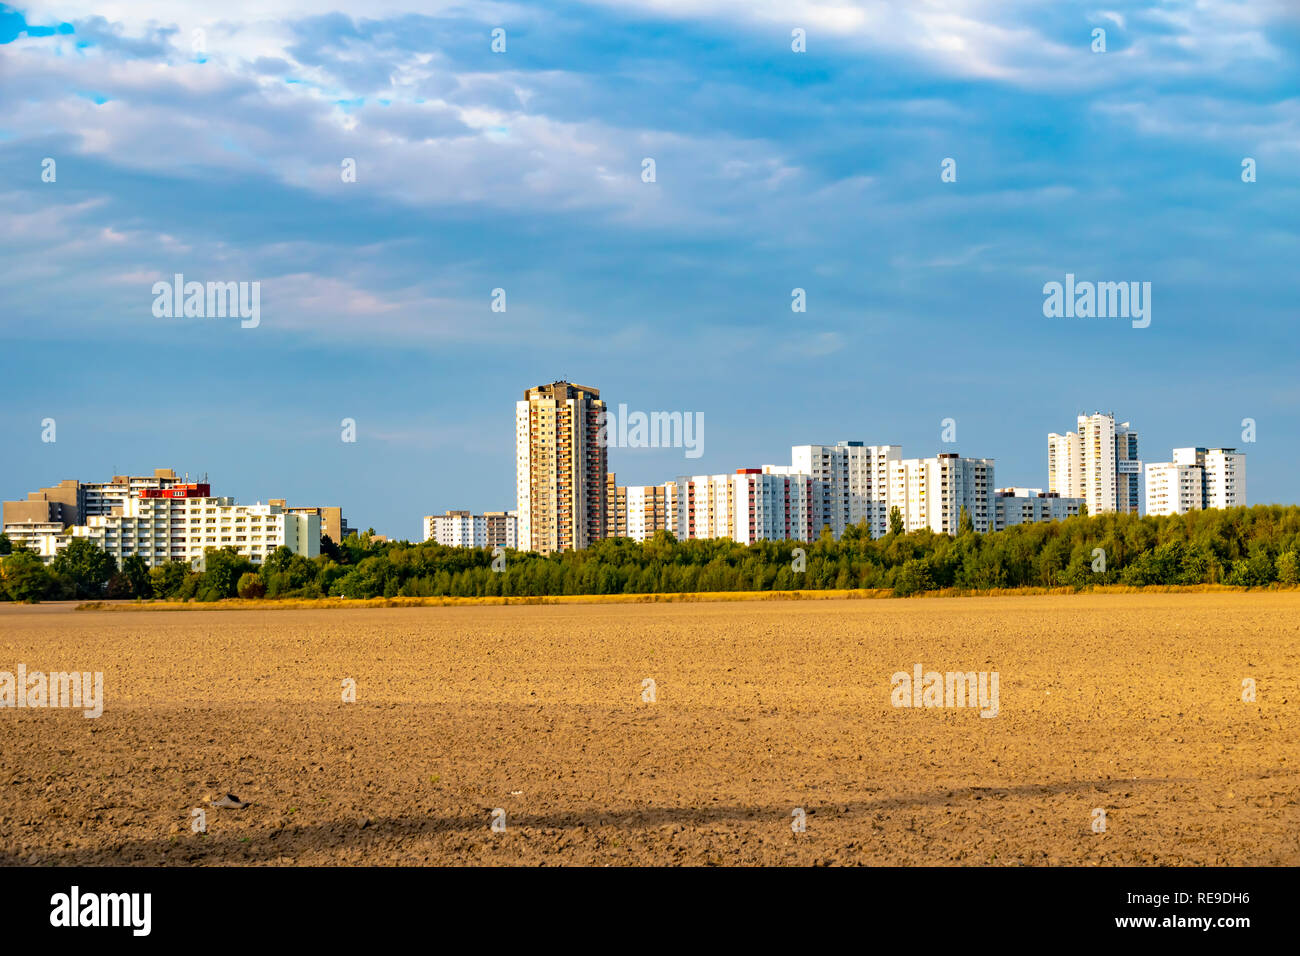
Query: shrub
(251, 586)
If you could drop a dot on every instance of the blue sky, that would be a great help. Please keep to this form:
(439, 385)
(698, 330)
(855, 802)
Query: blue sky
(522, 170)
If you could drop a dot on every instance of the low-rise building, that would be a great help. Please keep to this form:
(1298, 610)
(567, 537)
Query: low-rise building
(1028, 505)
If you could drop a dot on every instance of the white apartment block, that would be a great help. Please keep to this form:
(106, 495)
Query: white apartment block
(1027, 505)
(1098, 463)
(705, 507)
(931, 492)
(772, 507)
(754, 504)
(461, 529)
(850, 483)
(180, 528)
(1174, 488)
(38, 536)
(1225, 478)
(1196, 479)
(650, 508)
(104, 497)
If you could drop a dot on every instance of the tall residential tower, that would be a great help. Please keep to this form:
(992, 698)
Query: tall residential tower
(1098, 463)
(560, 468)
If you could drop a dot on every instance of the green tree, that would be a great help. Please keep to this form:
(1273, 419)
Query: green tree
(138, 577)
(250, 586)
(895, 521)
(85, 567)
(912, 577)
(222, 571)
(24, 577)
(171, 579)
(6, 547)
(1288, 567)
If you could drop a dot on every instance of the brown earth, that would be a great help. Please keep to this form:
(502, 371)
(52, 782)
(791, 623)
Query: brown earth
(1131, 703)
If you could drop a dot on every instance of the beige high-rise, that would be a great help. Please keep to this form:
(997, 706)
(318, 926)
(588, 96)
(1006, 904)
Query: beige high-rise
(560, 468)
(1098, 463)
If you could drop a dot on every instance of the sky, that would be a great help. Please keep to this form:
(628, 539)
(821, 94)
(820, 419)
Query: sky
(210, 140)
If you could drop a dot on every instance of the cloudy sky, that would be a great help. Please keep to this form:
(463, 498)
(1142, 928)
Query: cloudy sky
(208, 139)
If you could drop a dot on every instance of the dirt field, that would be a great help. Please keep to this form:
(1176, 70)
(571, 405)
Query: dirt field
(1128, 703)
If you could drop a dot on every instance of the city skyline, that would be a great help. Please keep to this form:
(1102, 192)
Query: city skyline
(357, 516)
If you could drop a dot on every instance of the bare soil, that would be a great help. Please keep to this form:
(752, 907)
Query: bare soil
(1130, 703)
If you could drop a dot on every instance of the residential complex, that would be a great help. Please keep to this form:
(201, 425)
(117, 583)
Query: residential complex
(162, 518)
(1197, 478)
(1098, 463)
(783, 502)
(461, 529)
(182, 522)
(560, 468)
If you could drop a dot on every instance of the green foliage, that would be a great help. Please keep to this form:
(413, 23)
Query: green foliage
(170, 580)
(23, 577)
(6, 547)
(139, 581)
(964, 523)
(84, 567)
(222, 570)
(912, 577)
(1288, 567)
(1251, 547)
(250, 586)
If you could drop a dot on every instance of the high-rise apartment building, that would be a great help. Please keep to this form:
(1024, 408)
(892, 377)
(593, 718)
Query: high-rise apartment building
(753, 504)
(461, 529)
(1197, 478)
(850, 483)
(332, 523)
(560, 468)
(59, 504)
(1128, 470)
(1174, 488)
(931, 492)
(1098, 463)
(104, 497)
(615, 508)
(1225, 478)
(649, 509)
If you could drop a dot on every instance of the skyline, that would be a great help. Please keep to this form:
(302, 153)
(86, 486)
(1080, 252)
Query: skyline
(360, 522)
(522, 170)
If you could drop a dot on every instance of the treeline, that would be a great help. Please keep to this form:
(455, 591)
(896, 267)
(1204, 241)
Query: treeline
(1251, 547)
